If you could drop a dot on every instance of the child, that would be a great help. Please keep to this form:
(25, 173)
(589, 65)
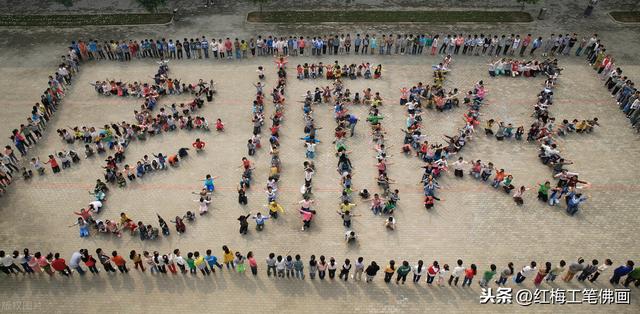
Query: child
(219, 125)
(54, 164)
(192, 263)
(251, 147)
(260, 72)
(198, 144)
(37, 165)
(88, 151)
(26, 174)
(242, 197)
(390, 223)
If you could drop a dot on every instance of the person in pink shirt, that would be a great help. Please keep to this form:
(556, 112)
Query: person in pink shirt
(252, 263)
(228, 46)
(301, 45)
(307, 216)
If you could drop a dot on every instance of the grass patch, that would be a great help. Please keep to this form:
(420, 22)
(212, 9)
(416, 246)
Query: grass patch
(71, 20)
(626, 16)
(388, 16)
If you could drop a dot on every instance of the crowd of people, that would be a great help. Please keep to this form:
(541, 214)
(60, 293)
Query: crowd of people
(334, 71)
(334, 44)
(621, 87)
(292, 266)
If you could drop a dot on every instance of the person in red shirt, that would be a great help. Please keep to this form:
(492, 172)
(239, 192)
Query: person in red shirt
(119, 261)
(60, 265)
(469, 273)
(54, 164)
(219, 125)
(198, 144)
(246, 163)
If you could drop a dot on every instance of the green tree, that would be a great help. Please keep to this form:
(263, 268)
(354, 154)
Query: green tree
(260, 3)
(526, 1)
(152, 5)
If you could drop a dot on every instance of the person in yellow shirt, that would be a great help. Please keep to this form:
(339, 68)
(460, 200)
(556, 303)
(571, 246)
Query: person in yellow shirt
(346, 206)
(200, 263)
(274, 208)
(227, 258)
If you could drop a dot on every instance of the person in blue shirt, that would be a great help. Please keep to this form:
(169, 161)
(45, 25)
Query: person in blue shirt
(621, 271)
(204, 45)
(353, 120)
(573, 202)
(209, 184)
(260, 221)
(212, 260)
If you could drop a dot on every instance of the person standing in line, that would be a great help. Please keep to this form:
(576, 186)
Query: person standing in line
(633, 276)
(201, 264)
(227, 257)
(588, 270)
(442, 275)
(456, 273)
(120, 262)
(525, 272)
(171, 264)
(179, 260)
(212, 260)
(313, 267)
(332, 266)
(601, 269)
(238, 261)
(487, 276)
(344, 271)
(280, 266)
(148, 259)
(105, 261)
(23, 258)
(59, 265)
(574, 268)
(542, 273)
(402, 272)
(371, 271)
(271, 264)
(621, 271)
(505, 274)
(357, 275)
(556, 271)
(418, 271)
(432, 272)
(191, 262)
(8, 264)
(288, 264)
(252, 263)
(137, 260)
(74, 262)
(43, 262)
(298, 267)
(469, 273)
(322, 267)
(389, 271)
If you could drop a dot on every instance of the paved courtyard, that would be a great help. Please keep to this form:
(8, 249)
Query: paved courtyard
(473, 222)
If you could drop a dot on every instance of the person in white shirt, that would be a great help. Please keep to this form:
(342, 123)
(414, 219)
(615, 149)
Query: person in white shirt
(442, 274)
(95, 206)
(419, 271)
(280, 266)
(7, 264)
(179, 260)
(214, 48)
(74, 262)
(456, 273)
(526, 272)
(357, 275)
(457, 166)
